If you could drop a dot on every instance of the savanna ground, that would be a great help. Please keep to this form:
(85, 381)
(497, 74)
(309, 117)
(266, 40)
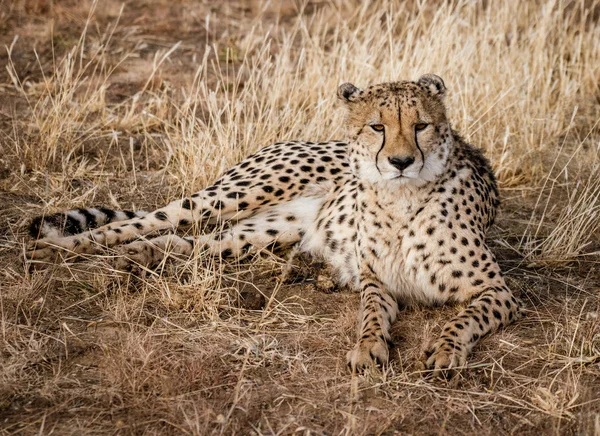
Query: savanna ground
(132, 105)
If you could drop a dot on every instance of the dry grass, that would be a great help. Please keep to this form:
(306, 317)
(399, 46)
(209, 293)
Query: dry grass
(133, 105)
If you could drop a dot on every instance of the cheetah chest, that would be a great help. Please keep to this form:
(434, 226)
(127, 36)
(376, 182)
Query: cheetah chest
(357, 229)
(394, 241)
(411, 239)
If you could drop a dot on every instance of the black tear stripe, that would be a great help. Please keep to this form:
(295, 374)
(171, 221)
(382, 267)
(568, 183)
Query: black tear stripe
(418, 147)
(380, 148)
(420, 151)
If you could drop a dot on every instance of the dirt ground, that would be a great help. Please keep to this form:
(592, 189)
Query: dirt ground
(132, 104)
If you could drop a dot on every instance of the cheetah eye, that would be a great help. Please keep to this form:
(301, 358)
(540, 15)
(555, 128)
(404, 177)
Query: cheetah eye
(377, 127)
(421, 126)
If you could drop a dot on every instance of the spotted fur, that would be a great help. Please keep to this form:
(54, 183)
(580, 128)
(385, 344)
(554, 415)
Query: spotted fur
(400, 211)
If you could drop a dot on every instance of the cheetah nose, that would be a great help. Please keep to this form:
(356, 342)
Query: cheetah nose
(401, 162)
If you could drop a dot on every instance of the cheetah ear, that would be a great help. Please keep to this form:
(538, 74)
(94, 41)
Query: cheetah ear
(433, 83)
(348, 93)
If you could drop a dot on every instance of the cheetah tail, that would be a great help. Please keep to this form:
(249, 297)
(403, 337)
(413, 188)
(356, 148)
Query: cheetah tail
(76, 221)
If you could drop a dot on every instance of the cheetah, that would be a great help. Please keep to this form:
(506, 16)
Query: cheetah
(399, 210)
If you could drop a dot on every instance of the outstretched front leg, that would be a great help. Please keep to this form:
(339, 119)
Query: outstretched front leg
(378, 310)
(490, 310)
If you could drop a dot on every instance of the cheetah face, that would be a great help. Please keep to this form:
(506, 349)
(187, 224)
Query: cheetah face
(398, 131)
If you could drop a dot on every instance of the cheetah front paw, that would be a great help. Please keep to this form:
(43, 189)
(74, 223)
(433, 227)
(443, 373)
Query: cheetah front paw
(445, 358)
(137, 255)
(368, 353)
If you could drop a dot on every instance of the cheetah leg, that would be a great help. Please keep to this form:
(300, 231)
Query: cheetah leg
(493, 308)
(149, 253)
(254, 233)
(178, 213)
(378, 312)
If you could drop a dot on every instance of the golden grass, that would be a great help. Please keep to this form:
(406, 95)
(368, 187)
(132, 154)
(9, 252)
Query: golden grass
(133, 106)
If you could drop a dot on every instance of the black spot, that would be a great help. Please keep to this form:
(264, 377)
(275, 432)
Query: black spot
(160, 215)
(236, 195)
(187, 204)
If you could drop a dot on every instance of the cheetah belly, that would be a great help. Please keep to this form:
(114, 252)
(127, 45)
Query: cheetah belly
(332, 235)
(298, 214)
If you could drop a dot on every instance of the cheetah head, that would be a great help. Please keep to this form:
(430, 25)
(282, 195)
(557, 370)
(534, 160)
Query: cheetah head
(398, 131)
